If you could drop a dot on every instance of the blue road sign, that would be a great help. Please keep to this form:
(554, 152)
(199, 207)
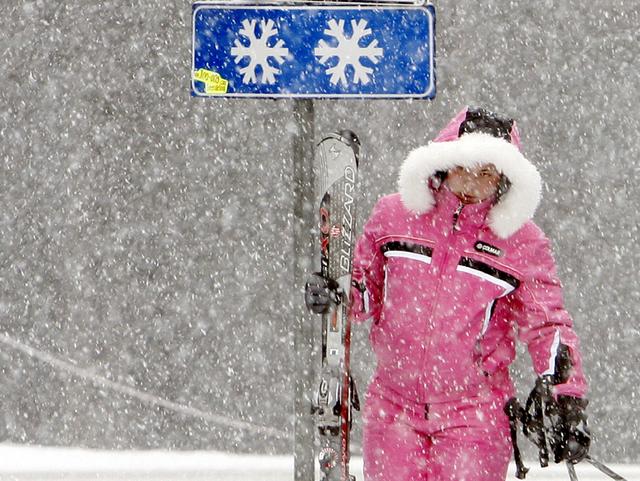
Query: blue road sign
(313, 51)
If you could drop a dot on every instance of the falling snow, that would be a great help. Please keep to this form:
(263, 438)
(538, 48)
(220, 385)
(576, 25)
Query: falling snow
(148, 296)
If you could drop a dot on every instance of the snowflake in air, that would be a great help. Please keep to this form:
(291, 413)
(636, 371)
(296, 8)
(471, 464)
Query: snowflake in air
(259, 51)
(348, 51)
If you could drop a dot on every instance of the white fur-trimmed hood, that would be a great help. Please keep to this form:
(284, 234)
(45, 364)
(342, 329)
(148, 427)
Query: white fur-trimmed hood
(513, 209)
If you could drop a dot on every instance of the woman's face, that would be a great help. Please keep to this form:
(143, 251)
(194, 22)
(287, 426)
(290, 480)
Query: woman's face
(473, 185)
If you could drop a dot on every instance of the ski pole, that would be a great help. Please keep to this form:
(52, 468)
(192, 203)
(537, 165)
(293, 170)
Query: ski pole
(513, 409)
(605, 469)
(596, 464)
(572, 471)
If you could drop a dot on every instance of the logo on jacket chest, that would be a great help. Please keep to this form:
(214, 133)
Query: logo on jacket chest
(488, 249)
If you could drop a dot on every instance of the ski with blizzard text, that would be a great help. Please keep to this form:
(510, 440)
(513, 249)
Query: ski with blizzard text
(335, 397)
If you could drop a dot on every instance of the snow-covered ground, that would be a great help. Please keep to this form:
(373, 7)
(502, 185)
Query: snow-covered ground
(22, 463)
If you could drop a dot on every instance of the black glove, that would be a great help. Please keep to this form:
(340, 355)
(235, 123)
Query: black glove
(570, 436)
(320, 293)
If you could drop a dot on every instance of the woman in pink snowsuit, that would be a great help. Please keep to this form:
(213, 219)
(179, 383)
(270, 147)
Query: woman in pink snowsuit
(448, 269)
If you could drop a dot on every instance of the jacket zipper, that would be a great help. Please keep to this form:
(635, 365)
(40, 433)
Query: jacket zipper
(455, 228)
(456, 217)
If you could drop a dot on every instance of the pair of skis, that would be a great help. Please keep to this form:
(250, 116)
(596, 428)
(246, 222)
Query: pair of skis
(336, 163)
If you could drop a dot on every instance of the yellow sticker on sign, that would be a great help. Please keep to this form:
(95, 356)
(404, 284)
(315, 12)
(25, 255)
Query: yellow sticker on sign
(213, 82)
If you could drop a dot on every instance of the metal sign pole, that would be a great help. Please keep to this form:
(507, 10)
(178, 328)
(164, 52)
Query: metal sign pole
(303, 181)
(301, 50)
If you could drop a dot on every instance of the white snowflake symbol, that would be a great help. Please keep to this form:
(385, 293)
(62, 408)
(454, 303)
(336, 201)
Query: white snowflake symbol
(259, 51)
(348, 51)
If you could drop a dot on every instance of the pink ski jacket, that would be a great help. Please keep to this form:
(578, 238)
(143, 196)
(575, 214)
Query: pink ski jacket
(449, 286)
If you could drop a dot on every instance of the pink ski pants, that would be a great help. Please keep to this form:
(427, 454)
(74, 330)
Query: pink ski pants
(463, 440)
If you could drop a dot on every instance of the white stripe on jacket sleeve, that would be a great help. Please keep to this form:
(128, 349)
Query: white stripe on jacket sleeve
(552, 354)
